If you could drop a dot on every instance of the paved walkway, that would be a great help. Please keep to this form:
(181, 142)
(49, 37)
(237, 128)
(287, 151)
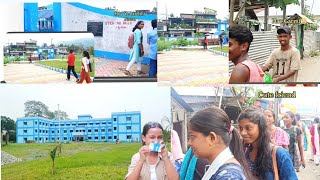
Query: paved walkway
(311, 172)
(32, 74)
(192, 68)
(310, 71)
(116, 68)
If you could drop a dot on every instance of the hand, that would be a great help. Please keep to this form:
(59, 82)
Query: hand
(275, 80)
(143, 151)
(164, 151)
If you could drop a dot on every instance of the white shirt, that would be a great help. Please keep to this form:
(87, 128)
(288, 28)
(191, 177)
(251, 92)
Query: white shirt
(85, 61)
(153, 172)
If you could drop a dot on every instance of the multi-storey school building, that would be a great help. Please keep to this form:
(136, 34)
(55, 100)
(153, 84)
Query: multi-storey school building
(125, 126)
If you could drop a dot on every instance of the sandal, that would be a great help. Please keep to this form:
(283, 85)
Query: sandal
(140, 72)
(127, 73)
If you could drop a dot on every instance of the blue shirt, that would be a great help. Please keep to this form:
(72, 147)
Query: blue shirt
(152, 39)
(229, 171)
(284, 163)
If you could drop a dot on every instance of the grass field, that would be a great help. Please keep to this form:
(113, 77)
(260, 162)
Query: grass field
(77, 161)
(63, 65)
(225, 49)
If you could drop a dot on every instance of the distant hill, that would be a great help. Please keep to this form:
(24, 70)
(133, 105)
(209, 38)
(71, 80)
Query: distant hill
(86, 42)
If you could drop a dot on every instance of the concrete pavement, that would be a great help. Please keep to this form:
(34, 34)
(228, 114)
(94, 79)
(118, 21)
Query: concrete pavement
(192, 68)
(32, 74)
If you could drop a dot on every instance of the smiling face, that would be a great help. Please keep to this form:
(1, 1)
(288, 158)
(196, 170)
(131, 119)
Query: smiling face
(269, 117)
(154, 135)
(284, 39)
(199, 143)
(249, 131)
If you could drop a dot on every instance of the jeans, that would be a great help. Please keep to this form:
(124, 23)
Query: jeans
(153, 68)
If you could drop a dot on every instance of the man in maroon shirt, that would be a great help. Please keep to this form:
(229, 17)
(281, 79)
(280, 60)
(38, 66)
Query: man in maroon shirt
(71, 59)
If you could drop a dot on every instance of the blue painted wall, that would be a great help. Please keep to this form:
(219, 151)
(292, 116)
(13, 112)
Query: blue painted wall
(57, 17)
(31, 17)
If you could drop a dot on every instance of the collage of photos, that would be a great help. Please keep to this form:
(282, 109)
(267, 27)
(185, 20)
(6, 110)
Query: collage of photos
(159, 98)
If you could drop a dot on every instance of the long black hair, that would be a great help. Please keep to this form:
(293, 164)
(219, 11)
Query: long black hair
(86, 54)
(215, 120)
(154, 23)
(148, 126)
(293, 117)
(136, 26)
(263, 161)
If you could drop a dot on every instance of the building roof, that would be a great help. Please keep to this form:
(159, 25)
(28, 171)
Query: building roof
(45, 13)
(179, 99)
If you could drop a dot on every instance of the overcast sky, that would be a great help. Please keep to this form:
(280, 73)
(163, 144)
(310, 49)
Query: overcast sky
(44, 38)
(182, 6)
(99, 100)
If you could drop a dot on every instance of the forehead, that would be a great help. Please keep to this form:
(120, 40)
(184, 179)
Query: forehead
(246, 122)
(284, 34)
(154, 131)
(233, 41)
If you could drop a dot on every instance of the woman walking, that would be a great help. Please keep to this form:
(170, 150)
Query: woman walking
(137, 50)
(85, 75)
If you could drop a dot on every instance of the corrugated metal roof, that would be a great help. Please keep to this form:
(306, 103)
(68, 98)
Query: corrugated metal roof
(46, 13)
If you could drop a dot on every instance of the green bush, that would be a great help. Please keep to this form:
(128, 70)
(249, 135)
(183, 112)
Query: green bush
(182, 42)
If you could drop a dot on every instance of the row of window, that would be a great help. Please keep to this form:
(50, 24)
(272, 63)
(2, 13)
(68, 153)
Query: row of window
(74, 124)
(89, 138)
(71, 131)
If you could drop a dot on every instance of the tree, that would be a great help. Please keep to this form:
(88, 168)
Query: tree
(91, 50)
(39, 109)
(171, 15)
(35, 109)
(9, 125)
(45, 45)
(166, 124)
(61, 45)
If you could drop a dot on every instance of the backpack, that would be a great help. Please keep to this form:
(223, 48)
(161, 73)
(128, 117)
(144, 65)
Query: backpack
(131, 41)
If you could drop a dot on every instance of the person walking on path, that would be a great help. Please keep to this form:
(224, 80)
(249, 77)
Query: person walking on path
(71, 60)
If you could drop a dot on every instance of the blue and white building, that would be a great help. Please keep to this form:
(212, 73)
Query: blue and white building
(110, 27)
(125, 126)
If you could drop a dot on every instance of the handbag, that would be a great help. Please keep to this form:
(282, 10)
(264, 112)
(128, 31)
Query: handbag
(274, 163)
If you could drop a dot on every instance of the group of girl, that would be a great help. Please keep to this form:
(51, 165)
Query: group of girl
(259, 150)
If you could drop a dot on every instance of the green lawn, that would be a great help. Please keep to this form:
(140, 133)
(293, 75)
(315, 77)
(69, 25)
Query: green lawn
(225, 49)
(64, 65)
(77, 161)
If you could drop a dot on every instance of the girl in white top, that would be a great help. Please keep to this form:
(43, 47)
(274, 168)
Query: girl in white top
(85, 68)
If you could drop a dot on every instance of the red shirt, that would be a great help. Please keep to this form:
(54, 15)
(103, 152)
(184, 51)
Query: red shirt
(71, 59)
(206, 41)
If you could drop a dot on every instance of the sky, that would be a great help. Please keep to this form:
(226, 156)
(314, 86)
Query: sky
(99, 100)
(182, 6)
(44, 38)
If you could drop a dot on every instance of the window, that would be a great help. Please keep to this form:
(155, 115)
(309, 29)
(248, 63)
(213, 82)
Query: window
(115, 128)
(25, 131)
(109, 137)
(52, 132)
(97, 123)
(77, 130)
(128, 118)
(36, 139)
(114, 137)
(89, 137)
(103, 130)
(46, 124)
(71, 131)
(96, 130)
(65, 131)
(58, 131)
(96, 137)
(40, 139)
(24, 123)
(89, 130)
(103, 123)
(109, 122)
(73, 124)
(61, 124)
(51, 125)
(36, 131)
(129, 137)
(90, 124)
(65, 138)
(114, 119)
(128, 127)
(56, 125)
(46, 131)
(25, 139)
(67, 124)
(40, 131)
(103, 138)
(46, 139)
(35, 122)
(109, 130)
